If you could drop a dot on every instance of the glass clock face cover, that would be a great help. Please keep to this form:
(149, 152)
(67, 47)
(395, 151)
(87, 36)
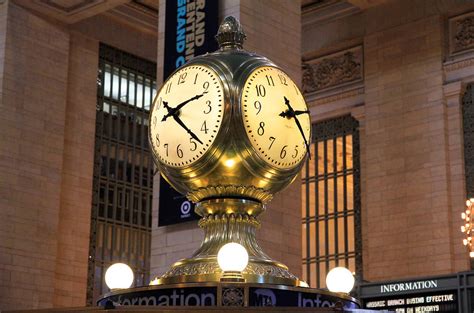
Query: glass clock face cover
(275, 117)
(186, 115)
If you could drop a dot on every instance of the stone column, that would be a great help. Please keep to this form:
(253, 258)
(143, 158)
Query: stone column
(32, 127)
(453, 93)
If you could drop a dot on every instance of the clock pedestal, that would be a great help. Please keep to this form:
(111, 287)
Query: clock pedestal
(256, 150)
(229, 220)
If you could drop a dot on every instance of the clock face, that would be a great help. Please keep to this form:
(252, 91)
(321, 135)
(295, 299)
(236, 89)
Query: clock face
(186, 115)
(275, 117)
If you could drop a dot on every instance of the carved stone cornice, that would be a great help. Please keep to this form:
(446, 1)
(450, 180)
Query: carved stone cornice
(453, 66)
(460, 69)
(333, 71)
(461, 34)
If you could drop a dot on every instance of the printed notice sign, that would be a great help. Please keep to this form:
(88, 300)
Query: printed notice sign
(429, 302)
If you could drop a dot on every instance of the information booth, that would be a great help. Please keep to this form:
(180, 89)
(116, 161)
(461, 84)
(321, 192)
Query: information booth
(451, 293)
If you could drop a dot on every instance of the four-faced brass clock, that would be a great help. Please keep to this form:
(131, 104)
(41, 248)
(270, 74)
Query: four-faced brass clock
(229, 130)
(186, 115)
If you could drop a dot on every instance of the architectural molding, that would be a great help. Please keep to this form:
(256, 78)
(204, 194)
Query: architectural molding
(453, 93)
(332, 71)
(336, 104)
(69, 11)
(322, 12)
(460, 70)
(453, 66)
(137, 16)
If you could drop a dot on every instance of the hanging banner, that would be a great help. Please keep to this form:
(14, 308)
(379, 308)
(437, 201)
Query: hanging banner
(190, 27)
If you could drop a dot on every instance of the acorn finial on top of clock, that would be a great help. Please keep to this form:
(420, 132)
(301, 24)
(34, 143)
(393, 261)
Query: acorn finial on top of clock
(230, 34)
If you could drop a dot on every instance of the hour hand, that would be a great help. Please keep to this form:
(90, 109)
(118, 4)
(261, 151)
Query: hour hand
(171, 111)
(286, 114)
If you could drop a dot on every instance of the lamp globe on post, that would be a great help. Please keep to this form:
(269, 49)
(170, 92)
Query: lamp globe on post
(119, 276)
(232, 259)
(340, 279)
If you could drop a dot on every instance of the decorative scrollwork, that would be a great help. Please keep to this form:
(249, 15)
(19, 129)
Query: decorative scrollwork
(211, 267)
(333, 70)
(193, 269)
(464, 33)
(269, 270)
(230, 190)
(224, 218)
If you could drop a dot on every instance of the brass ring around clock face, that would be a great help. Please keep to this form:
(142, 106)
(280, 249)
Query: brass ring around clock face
(275, 117)
(186, 116)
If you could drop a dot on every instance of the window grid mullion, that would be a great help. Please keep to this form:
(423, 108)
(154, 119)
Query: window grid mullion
(328, 137)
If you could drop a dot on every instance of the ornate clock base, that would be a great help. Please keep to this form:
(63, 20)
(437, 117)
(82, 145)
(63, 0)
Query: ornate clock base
(229, 220)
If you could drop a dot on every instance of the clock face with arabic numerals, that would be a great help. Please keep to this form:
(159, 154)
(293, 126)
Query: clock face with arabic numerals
(186, 115)
(275, 117)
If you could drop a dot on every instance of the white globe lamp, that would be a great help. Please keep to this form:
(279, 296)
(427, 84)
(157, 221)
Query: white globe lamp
(340, 279)
(119, 276)
(232, 259)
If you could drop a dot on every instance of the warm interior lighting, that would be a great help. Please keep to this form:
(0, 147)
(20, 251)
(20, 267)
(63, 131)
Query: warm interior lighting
(340, 279)
(230, 163)
(119, 276)
(467, 227)
(232, 257)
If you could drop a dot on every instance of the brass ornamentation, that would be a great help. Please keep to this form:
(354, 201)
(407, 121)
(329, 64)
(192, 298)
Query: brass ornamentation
(232, 296)
(229, 182)
(251, 192)
(219, 229)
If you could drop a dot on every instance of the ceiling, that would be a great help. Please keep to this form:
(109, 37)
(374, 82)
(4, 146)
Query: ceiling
(144, 13)
(73, 11)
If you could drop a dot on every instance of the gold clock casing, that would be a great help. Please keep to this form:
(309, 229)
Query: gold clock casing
(230, 167)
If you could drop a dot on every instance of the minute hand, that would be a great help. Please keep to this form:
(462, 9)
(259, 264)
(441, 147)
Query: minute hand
(301, 112)
(292, 113)
(180, 122)
(173, 111)
(302, 134)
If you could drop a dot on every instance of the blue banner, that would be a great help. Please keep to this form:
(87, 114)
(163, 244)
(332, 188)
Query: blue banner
(190, 28)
